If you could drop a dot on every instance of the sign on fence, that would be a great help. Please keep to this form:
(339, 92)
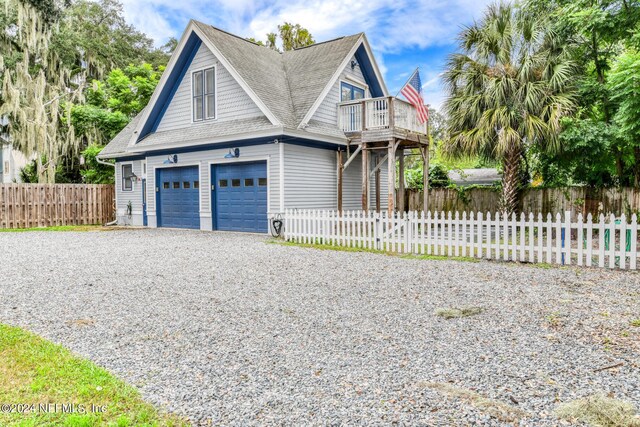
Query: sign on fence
(45, 205)
(606, 242)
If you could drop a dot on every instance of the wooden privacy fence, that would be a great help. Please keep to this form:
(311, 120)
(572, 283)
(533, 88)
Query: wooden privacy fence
(45, 205)
(577, 200)
(605, 242)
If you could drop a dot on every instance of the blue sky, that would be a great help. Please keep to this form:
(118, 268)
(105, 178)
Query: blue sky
(404, 34)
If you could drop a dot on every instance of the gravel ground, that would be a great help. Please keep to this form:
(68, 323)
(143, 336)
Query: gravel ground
(229, 329)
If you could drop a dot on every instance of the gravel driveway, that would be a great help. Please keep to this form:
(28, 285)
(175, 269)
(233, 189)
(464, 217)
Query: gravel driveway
(230, 329)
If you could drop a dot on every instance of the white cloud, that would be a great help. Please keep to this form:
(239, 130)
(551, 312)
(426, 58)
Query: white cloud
(392, 26)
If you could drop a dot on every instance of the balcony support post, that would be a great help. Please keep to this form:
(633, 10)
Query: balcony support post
(377, 179)
(401, 207)
(391, 177)
(424, 150)
(340, 179)
(365, 177)
(363, 116)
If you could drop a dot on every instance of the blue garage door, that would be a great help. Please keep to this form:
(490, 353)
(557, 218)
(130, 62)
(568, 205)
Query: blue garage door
(178, 192)
(239, 195)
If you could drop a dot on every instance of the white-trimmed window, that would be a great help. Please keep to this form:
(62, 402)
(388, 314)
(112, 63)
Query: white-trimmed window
(127, 177)
(204, 94)
(350, 92)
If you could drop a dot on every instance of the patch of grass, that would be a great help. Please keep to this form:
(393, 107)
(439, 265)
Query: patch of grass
(555, 320)
(600, 411)
(36, 371)
(441, 258)
(494, 408)
(453, 313)
(324, 247)
(635, 322)
(58, 228)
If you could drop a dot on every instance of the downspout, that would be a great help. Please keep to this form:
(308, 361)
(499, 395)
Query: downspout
(113, 165)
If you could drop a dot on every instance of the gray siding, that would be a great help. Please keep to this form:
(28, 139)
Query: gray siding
(310, 181)
(124, 197)
(310, 178)
(204, 159)
(327, 112)
(233, 103)
(352, 190)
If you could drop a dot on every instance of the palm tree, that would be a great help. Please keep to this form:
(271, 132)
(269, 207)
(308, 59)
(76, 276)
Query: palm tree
(507, 90)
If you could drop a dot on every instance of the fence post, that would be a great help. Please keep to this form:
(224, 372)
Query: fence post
(580, 239)
(567, 238)
(623, 241)
(601, 246)
(559, 249)
(589, 239)
(633, 253)
(612, 241)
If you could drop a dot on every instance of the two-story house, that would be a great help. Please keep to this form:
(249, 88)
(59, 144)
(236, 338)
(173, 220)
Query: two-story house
(236, 132)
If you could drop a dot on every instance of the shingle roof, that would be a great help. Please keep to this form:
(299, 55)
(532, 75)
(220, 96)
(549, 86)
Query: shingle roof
(309, 70)
(119, 143)
(205, 131)
(288, 83)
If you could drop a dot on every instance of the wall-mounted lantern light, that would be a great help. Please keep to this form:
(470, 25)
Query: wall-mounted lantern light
(233, 153)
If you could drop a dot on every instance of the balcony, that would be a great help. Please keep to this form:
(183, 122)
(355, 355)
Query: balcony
(380, 119)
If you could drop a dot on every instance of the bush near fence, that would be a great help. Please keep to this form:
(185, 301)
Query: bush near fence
(47, 205)
(576, 200)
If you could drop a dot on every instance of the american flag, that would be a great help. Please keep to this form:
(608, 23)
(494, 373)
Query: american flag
(413, 92)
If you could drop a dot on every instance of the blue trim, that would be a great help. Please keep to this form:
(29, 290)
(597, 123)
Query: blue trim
(158, 195)
(313, 143)
(170, 87)
(375, 87)
(233, 144)
(212, 195)
(128, 158)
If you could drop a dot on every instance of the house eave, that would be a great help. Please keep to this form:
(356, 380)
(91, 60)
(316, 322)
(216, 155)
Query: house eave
(276, 132)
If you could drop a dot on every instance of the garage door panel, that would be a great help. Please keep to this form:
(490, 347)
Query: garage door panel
(179, 197)
(240, 202)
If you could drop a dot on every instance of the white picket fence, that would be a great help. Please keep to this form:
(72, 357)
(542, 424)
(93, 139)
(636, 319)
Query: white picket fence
(609, 242)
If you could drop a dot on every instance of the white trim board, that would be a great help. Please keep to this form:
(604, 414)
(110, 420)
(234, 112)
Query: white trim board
(215, 94)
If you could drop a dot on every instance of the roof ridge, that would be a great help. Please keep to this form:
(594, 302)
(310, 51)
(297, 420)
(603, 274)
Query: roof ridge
(230, 34)
(324, 42)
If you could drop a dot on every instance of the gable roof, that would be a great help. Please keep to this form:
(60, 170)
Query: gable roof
(261, 69)
(310, 69)
(287, 87)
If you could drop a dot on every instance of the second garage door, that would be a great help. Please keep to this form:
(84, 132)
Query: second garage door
(239, 195)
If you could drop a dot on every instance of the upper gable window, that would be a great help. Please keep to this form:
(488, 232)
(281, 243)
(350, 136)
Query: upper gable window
(204, 94)
(349, 92)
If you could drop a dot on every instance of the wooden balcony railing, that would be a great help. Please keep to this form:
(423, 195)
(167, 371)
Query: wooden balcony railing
(379, 113)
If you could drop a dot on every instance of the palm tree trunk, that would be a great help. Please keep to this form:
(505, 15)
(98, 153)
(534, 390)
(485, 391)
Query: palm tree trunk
(511, 181)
